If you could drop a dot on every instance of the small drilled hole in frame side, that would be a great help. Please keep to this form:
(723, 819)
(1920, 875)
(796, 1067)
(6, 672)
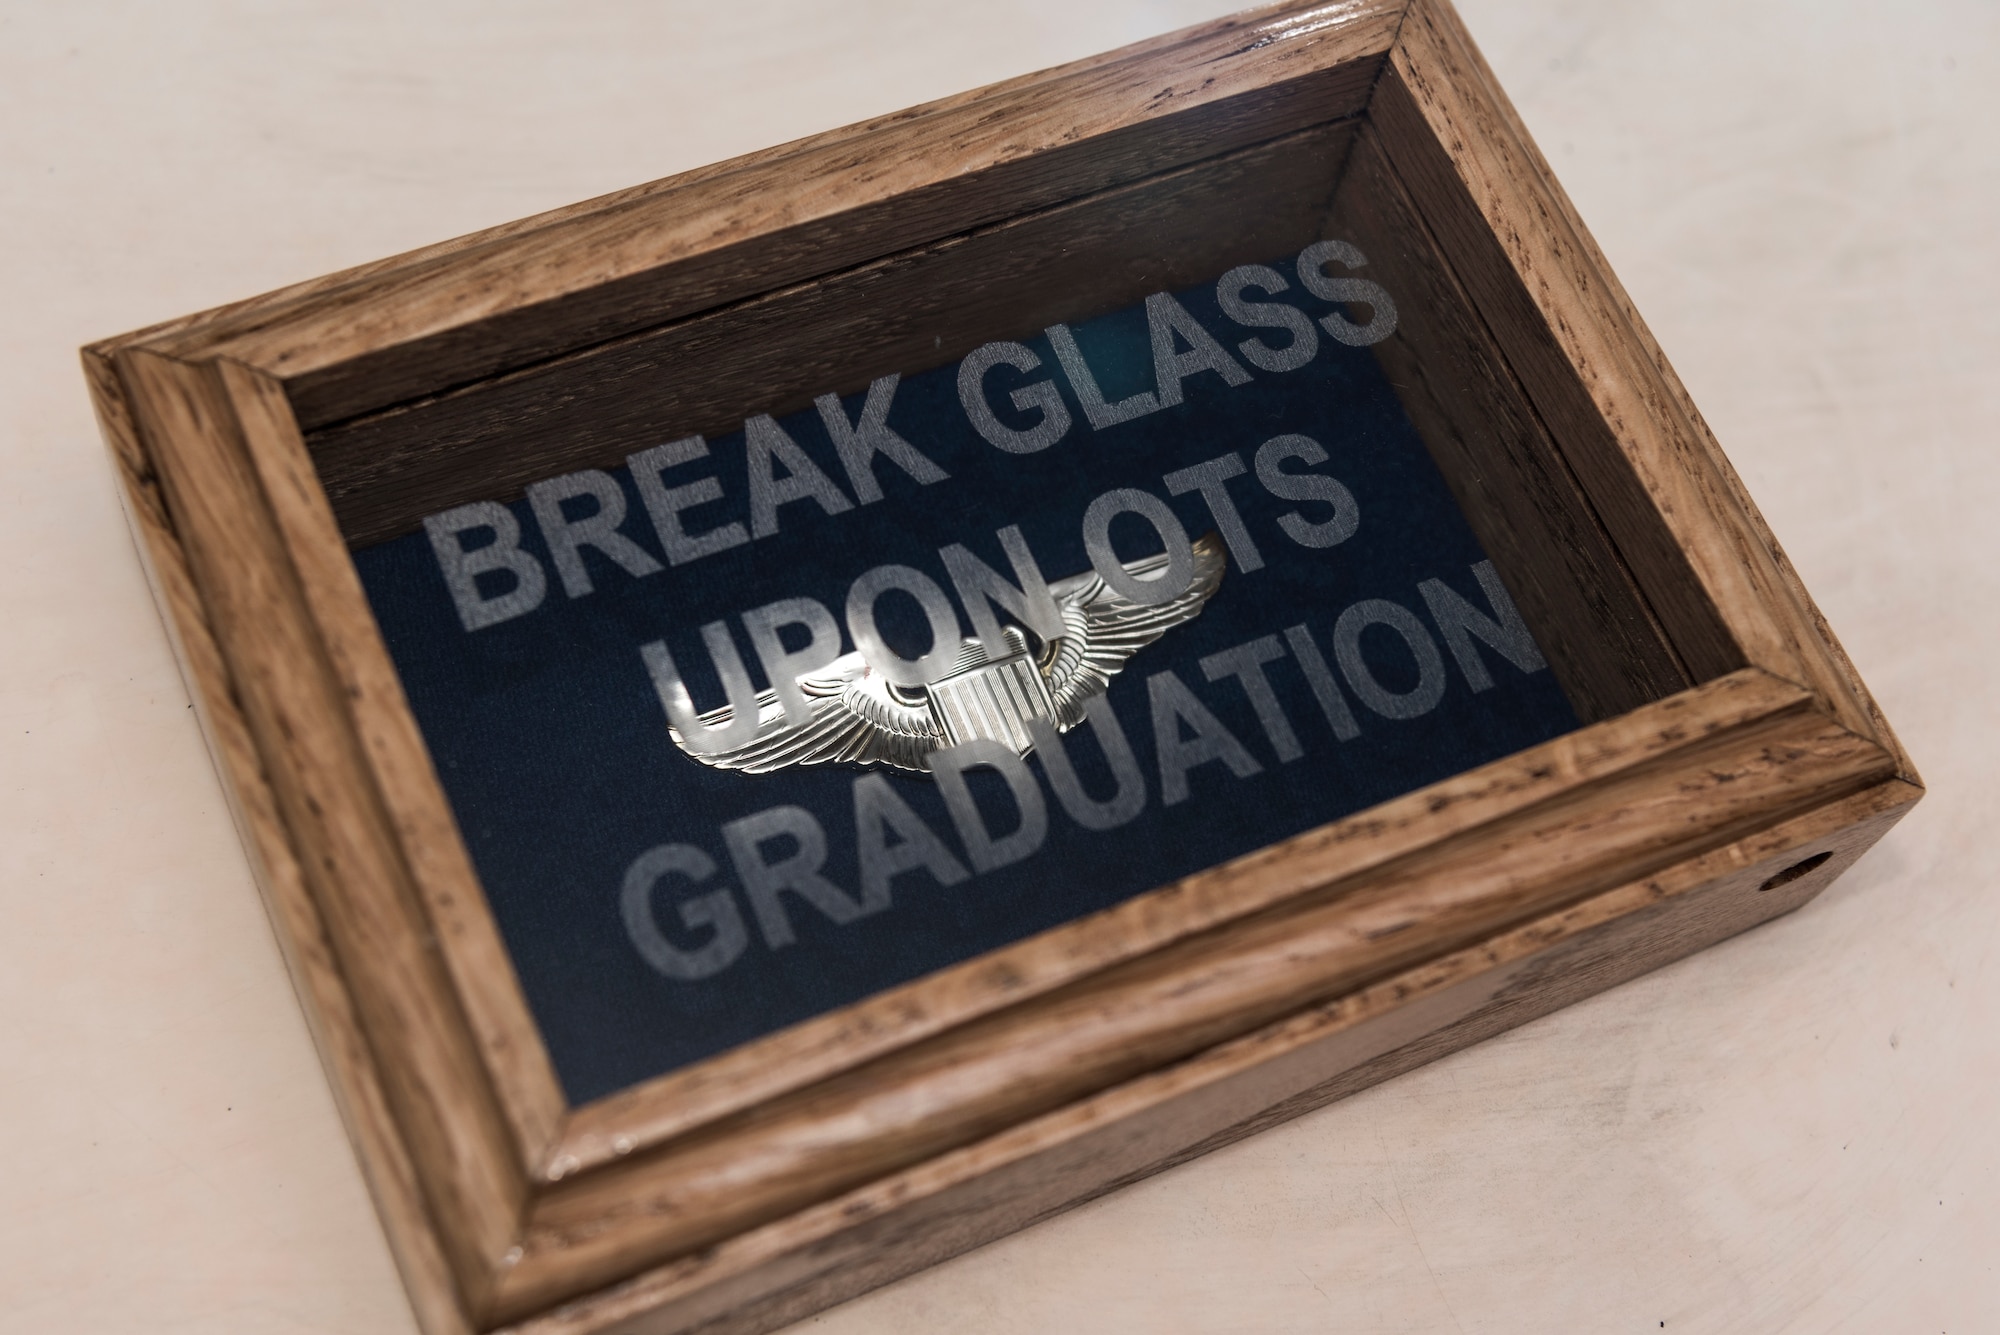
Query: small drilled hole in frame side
(1806, 867)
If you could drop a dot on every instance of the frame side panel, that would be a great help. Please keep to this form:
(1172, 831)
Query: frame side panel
(1597, 376)
(1510, 478)
(893, 1227)
(900, 313)
(1158, 1009)
(316, 977)
(459, 1143)
(829, 203)
(412, 798)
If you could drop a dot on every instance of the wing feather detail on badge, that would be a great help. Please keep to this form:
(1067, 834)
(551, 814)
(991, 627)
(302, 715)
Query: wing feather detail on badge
(1104, 628)
(855, 720)
(859, 718)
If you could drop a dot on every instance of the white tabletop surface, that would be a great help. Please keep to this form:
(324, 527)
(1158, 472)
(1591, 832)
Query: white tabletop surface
(1795, 1132)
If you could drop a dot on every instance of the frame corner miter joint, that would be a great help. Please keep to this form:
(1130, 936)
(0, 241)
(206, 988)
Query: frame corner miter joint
(669, 696)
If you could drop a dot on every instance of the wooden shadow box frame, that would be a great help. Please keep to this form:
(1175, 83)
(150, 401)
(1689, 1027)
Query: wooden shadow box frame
(1730, 763)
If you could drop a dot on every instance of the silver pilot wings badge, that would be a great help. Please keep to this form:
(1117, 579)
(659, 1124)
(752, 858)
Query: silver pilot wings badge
(859, 717)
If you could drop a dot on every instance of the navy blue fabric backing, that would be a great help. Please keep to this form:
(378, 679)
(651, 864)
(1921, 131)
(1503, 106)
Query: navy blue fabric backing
(553, 748)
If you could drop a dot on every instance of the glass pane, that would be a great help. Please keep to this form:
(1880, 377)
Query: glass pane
(1212, 498)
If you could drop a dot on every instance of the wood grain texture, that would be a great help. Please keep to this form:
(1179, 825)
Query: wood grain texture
(635, 261)
(320, 983)
(295, 709)
(1511, 482)
(903, 313)
(797, 1265)
(870, 1140)
(1712, 571)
